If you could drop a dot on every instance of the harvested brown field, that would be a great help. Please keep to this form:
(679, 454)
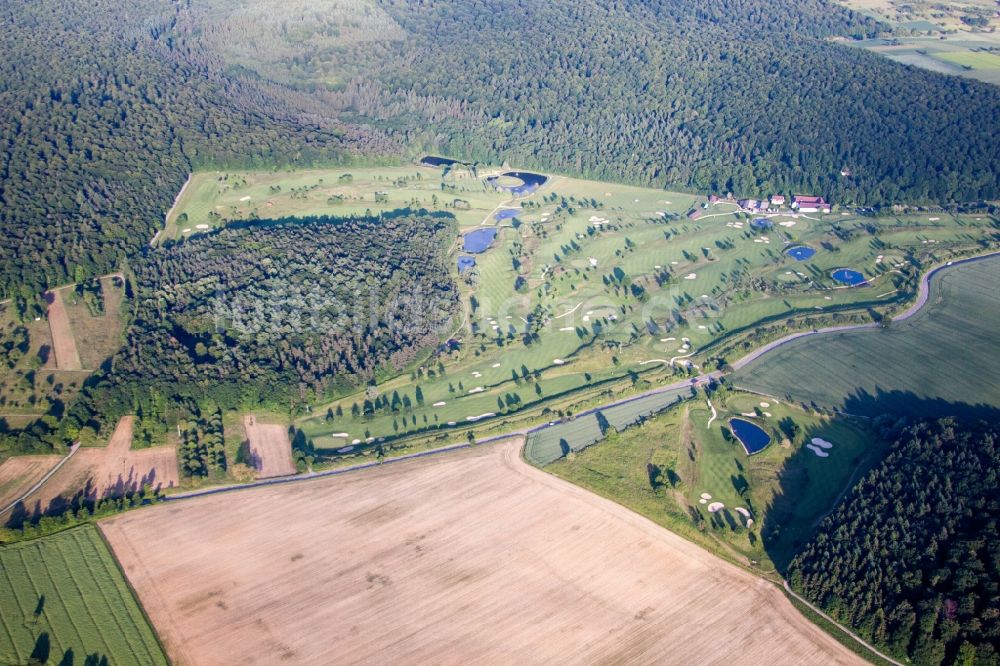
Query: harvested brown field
(270, 448)
(472, 556)
(109, 471)
(20, 473)
(63, 342)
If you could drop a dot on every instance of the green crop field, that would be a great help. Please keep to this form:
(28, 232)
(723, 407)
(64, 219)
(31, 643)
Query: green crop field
(590, 282)
(64, 600)
(946, 352)
(672, 467)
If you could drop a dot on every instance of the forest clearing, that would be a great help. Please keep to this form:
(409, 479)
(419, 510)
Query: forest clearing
(98, 472)
(270, 450)
(476, 555)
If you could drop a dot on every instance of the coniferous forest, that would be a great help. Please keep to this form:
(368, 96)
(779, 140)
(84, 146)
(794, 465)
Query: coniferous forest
(911, 557)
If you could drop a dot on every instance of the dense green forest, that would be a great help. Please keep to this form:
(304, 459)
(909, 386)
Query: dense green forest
(911, 558)
(725, 95)
(101, 120)
(105, 108)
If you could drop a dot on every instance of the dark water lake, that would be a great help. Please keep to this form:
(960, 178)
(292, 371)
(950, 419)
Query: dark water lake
(800, 252)
(435, 161)
(477, 241)
(849, 277)
(530, 182)
(753, 438)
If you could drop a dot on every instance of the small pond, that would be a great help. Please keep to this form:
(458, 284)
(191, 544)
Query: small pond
(849, 277)
(762, 223)
(529, 182)
(478, 240)
(753, 438)
(435, 161)
(465, 263)
(800, 252)
(506, 214)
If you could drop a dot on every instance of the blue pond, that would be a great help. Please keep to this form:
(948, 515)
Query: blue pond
(751, 436)
(530, 182)
(477, 241)
(800, 252)
(849, 277)
(762, 223)
(465, 263)
(507, 213)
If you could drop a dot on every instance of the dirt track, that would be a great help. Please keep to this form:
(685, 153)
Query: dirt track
(474, 556)
(270, 448)
(111, 470)
(63, 342)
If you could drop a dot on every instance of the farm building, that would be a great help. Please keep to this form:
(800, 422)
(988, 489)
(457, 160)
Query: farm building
(713, 198)
(749, 204)
(777, 200)
(810, 204)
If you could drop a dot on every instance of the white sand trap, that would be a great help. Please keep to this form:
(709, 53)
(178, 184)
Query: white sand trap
(495, 365)
(346, 449)
(590, 312)
(341, 435)
(757, 240)
(607, 194)
(820, 442)
(686, 339)
(593, 261)
(477, 374)
(748, 414)
(690, 276)
(716, 506)
(703, 501)
(567, 328)
(706, 496)
(702, 327)
(355, 441)
(495, 327)
(558, 361)
(765, 405)
(593, 218)
(667, 339)
(586, 317)
(185, 231)
(682, 349)
(673, 263)
(789, 223)
(478, 389)
(244, 198)
(818, 451)
(767, 414)
(661, 213)
(439, 403)
(657, 267)
(749, 522)
(509, 317)
(742, 511)
(201, 226)
(481, 416)
(452, 423)
(933, 219)
(370, 440)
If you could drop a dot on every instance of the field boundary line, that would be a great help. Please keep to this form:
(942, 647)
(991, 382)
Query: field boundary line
(73, 449)
(861, 641)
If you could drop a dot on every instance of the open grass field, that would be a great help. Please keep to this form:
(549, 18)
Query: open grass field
(112, 470)
(934, 36)
(63, 341)
(65, 601)
(473, 557)
(676, 467)
(269, 447)
(945, 352)
(20, 473)
(213, 198)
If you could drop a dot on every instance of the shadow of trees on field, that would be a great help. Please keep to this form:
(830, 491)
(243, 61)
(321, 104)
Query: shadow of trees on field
(785, 532)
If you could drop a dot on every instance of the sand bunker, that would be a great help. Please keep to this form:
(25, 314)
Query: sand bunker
(495, 365)
(706, 496)
(819, 441)
(567, 328)
(346, 449)
(690, 276)
(716, 506)
(481, 416)
(765, 405)
(440, 403)
(818, 451)
(558, 361)
(478, 389)
(244, 198)
(742, 511)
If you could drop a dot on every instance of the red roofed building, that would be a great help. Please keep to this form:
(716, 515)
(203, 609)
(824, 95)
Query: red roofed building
(777, 200)
(810, 204)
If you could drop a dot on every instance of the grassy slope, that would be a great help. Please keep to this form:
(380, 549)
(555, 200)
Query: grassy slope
(64, 595)
(661, 468)
(947, 351)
